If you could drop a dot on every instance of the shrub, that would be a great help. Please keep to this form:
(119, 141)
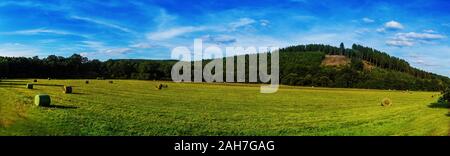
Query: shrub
(67, 89)
(386, 102)
(159, 87)
(446, 94)
(29, 86)
(42, 100)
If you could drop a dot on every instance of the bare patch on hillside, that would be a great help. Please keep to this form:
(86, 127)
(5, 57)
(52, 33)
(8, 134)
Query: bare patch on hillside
(335, 60)
(368, 66)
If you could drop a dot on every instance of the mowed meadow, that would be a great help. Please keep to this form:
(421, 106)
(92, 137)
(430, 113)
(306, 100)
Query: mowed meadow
(137, 108)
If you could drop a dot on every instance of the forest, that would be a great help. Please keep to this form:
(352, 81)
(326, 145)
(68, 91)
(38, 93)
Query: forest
(300, 65)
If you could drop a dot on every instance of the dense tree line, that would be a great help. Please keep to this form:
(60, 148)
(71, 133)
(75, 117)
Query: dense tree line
(299, 65)
(375, 57)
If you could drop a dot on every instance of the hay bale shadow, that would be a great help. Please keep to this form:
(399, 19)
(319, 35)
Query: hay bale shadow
(79, 93)
(439, 105)
(61, 107)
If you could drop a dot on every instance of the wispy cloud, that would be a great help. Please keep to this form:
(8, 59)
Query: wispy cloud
(96, 48)
(429, 31)
(19, 3)
(420, 36)
(422, 60)
(243, 22)
(264, 22)
(367, 20)
(173, 32)
(411, 38)
(142, 45)
(219, 39)
(17, 49)
(41, 31)
(102, 23)
(397, 42)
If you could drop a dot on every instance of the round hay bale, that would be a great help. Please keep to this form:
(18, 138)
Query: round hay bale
(34, 80)
(42, 100)
(111, 82)
(87, 82)
(49, 79)
(29, 86)
(67, 89)
(386, 102)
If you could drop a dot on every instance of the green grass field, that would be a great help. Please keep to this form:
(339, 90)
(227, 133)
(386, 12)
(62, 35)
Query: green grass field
(130, 107)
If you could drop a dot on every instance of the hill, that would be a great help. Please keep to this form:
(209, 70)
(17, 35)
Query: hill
(304, 65)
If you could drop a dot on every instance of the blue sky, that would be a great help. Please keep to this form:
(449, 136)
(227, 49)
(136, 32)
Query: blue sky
(415, 30)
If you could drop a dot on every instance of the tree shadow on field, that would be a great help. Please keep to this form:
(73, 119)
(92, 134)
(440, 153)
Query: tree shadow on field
(50, 85)
(62, 107)
(14, 81)
(439, 105)
(12, 84)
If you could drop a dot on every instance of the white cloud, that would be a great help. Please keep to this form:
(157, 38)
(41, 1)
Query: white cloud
(362, 31)
(103, 23)
(411, 38)
(93, 44)
(243, 22)
(393, 25)
(390, 26)
(96, 48)
(429, 31)
(420, 36)
(264, 22)
(399, 43)
(116, 51)
(174, 32)
(422, 60)
(164, 19)
(381, 30)
(368, 20)
(142, 45)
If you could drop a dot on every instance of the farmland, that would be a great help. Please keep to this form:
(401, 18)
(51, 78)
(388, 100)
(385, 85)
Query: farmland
(129, 107)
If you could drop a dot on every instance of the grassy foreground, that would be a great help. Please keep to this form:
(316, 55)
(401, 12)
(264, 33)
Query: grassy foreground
(129, 107)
